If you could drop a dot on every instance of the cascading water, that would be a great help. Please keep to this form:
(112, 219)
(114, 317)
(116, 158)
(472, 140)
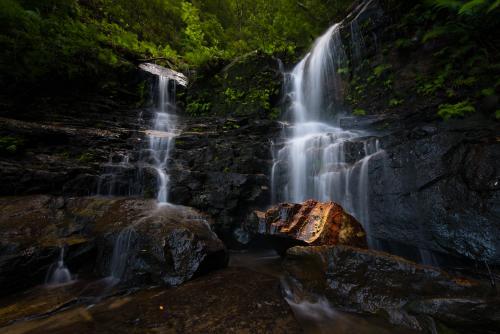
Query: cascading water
(160, 142)
(121, 254)
(111, 181)
(58, 272)
(162, 136)
(124, 173)
(318, 159)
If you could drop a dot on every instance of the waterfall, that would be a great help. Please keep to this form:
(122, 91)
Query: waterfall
(319, 159)
(121, 253)
(112, 182)
(153, 156)
(124, 176)
(162, 136)
(58, 272)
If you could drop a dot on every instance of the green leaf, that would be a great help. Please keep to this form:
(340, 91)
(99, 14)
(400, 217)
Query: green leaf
(447, 111)
(359, 112)
(472, 7)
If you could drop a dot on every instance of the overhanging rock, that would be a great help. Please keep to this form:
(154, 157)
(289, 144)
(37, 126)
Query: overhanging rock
(178, 77)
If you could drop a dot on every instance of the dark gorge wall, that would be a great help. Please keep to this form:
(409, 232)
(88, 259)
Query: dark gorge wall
(437, 186)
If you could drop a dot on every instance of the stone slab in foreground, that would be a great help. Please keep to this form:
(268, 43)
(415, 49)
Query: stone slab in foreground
(409, 294)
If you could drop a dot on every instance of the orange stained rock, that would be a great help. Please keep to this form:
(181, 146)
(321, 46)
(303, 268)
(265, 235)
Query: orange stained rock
(313, 222)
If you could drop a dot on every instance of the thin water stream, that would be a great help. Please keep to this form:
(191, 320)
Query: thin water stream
(155, 156)
(59, 273)
(162, 135)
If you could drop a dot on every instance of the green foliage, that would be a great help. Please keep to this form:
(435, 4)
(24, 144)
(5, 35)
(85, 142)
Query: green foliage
(488, 92)
(359, 112)
(233, 95)
(230, 124)
(447, 111)
(86, 157)
(380, 69)
(469, 7)
(71, 44)
(430, 85)
(10, 144)
(442, 31)
(343, 70)
(197, 108)
(404, 43)
(67, 43)
(395, 102)
(446, 51)
(248, 86)
(198, 49)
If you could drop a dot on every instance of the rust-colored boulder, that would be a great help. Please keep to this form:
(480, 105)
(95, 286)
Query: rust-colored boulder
(311, 223)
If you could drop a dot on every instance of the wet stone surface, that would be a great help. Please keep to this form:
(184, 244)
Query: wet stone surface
(227, 301)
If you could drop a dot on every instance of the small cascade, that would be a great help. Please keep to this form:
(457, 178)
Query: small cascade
(318, 159)
(162, 135)
(58, 273)
(118, 177)
(121, 254)
(125, 173)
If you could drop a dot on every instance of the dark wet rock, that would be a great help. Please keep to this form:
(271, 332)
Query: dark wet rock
(209, 304)
(408, 294)
(437, 188)
(167, 244)
(310, 223)
(63, 153)
(39, 301)
(221, 166)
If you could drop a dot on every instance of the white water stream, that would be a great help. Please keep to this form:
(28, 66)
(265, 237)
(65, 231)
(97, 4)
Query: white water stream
(161, 138)
(58, 272)
(162, 135)
(318, 159)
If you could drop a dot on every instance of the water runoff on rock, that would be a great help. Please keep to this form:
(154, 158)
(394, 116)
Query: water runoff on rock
(131, 176)
(122, 254)
(128, 173)
(316, 158)
(58, 272)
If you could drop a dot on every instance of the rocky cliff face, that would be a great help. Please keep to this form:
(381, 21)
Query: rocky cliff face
(437, 187)
(221, 166)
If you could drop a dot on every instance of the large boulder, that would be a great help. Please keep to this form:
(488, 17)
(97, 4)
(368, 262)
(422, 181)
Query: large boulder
(409, 294)
(131, 240)
(308, 223)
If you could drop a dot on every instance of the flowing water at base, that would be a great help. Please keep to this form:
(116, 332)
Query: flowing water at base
(121, 254)
(58, 273)
(314, 313)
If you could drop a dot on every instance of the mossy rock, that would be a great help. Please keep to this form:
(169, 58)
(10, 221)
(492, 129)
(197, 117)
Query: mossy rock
(248, 86)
